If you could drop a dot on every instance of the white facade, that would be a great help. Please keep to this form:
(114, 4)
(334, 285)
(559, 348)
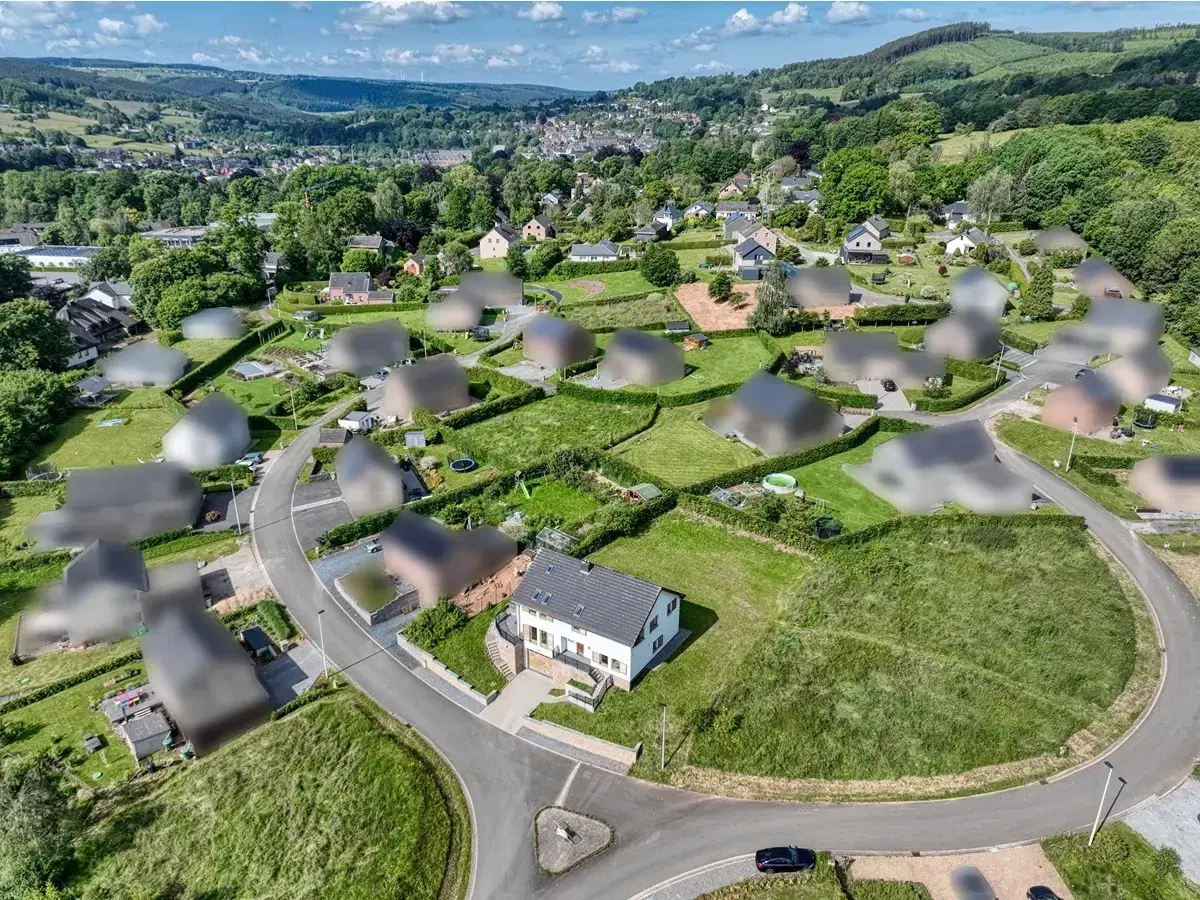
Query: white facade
(548, 636)
(960, 245)
(82, 357)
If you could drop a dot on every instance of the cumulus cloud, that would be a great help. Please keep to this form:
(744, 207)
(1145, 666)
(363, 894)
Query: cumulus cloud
(145, 24)
(615, 66)
(205, 60)
(228, 40)
(618, 15)
(742, 23)
(515, 49)
(594, 52)
(542, 11)
(112, 26)
(70, 44)
(303, 7)
(912, 14)
(712, 66)
(443, 55)
(370, 18)
(502, 62)
(843, 11)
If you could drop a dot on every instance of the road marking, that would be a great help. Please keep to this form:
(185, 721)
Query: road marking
(329, 501)
(562, 795)
(701, 870)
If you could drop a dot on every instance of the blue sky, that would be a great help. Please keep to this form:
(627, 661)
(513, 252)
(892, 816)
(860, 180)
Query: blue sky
(583, 45)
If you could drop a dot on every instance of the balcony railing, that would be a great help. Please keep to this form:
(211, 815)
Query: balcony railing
(506, 627)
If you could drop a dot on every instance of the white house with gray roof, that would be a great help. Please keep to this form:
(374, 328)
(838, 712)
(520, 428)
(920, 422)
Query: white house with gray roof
(605, 251)
(575, 612)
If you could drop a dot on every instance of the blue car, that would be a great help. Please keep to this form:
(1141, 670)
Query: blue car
(784, 859)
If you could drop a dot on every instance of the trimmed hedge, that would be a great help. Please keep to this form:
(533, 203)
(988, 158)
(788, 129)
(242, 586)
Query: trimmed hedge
(709, 244)
(1095, 468)
(902, 314)
(598, 395)
(947, 404)
(846, 397)
(33, 489)
(49, 690)
(579, 368)
(970, 370)
(567, 270)
(498, 380)
(612, 301)
(1010, 338)
(499, 348)
(630, 519)
(186, 383)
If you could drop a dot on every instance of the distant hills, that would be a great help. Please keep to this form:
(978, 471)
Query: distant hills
(307, 93)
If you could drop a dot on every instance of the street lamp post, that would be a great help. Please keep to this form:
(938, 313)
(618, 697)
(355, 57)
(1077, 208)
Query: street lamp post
(1103, 796)
(662, 763)
(237, 515)
(321, 636)
(1071, 449)
(999, 359)
(292, 394)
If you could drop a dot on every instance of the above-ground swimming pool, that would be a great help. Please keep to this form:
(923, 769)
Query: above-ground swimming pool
(779, 483)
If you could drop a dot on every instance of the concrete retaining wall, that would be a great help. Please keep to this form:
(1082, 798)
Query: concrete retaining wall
(403, 603)
(626, 756)
(428, 661)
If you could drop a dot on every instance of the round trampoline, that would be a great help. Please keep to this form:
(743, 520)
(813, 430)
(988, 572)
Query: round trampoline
(779, 483)
(463, 464)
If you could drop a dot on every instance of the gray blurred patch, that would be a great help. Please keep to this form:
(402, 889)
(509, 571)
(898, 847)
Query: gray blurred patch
(639, 357)
(975, 290)
(144, 365)
(438, 384)
(553, 342)
(219, 323)
(1098, 278)
(370, 479)
(853, 355)
(1169, 482)
(1086, 405)
(774, 416)
(97, 599)
(212, 433)
(819, 287)
(363, 349)
(1060, 238)
(1138, 375)
(491, 290)
(440, 562)
(964, 335)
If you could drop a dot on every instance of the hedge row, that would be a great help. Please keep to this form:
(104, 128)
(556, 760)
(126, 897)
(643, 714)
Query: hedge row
(611, 466)
(49, 690)
(946, 404)
(1167, 419)
(1010, 338)
(599, 395)
(499, 348)
(709, 244)
(1096, 468)
(566, 269)
(490, 410)
(498, 380)
(32, 489)
(971, 370)
(629, 520)
(584, 366)
(353, 309)
(902, 314)
(846, 397)
(310, 696)
(191, 379)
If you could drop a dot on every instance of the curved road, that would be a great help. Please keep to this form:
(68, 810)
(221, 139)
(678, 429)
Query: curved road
(662, 832)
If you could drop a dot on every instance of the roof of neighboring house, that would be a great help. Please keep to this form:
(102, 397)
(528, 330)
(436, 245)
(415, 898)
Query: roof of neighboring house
(544, 220)
(741, 225)
(418, 258)
(797, 181)
(145, 727)
(976, 236)
(585, 216)
(92, 316)
(255, 638)
(507, 233)
(878, 223)
(652, 228)
(857, 231)
(808, 196)
(736, 206)
(93, 384)
(355, 282)
(957, 208)
(700, 204)
(358, 415)
(608, 603)
(751, 247)
(332, 436)
(62, 251)
(367, 241)
(669, 209)
(1165, 399)
(604, 248)
(958, 444)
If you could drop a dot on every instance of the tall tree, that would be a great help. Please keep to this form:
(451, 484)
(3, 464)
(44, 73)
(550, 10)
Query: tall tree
(515, 262)
(1038, 301)
(991, 195)
(14, 277)
(32, 338)
(720, 289)
(659, 266)
(771, 313)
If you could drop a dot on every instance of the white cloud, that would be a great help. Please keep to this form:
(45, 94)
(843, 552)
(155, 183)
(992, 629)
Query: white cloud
(205, 60)
(542, 11)
(704, 48)
(146, 24)
(594, 52)
(303, 7)
(360, 53)
(71, 43)
(616, 66)
(843, 11)
(325, 32)
(515, 49)
(113, 26)
(371, 18)
(792, 14)
(712, 66)
(52, 22)
(229, 40)
(911, 14)
(618, 15)
(502, 62)
(743, 22)
(461, 54)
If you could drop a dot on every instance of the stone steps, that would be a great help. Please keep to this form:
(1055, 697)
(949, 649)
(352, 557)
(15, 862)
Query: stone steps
(492, 643)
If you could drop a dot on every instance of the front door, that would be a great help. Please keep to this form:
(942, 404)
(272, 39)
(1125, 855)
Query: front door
(579, 648)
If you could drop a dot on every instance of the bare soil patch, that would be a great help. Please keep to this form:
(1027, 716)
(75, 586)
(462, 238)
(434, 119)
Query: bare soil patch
(711, 316)
(594, 288)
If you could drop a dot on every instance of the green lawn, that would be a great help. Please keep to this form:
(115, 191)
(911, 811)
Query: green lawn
(552, 499)
(465, 655)
(631, 313)
(960, 387)
(255, 397)
(577, 290)
(935, 649)
(540, 429)
(61, 720)
(723, 361)
(444, 453)
(508, 357)
(80, 444)
(15, 515)
(1120, 864)
(907, 280)
(1039, 331)
(681, 449)
(1178, 354)
(200, 352)
(329, 802)
(851, 503)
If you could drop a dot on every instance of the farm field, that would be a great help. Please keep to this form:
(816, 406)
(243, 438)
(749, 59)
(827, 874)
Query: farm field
(681, 449)
(539, 429)
(59, 121)
(332, 798)
(936, 649)
(956, 147)
(649, 310)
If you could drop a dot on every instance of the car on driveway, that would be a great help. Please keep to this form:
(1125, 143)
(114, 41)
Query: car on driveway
(784, 859)
(374, 546)
(969, 884)
(888, 385)
(251, 460)
(1040, 892)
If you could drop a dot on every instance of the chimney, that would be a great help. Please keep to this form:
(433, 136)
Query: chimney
(584, 567)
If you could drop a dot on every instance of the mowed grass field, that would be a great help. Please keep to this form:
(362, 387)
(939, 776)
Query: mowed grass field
(329, 802)
(15, 515)
(937, 648)
(723, 361)
(81, 443)
(847, 500)
(539, 429)
(681, 449)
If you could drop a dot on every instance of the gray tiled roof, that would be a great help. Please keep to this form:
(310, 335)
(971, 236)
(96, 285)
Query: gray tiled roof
(608, 603)
(350, 281)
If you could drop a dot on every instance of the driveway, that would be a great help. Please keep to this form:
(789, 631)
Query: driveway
(1010, 872)
(518, 699)
(289, 676)
(889, 401)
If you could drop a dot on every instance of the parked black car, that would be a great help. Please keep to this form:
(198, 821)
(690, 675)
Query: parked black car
(969, 884)
(784, 859)
(1040, 892)
(888, 385)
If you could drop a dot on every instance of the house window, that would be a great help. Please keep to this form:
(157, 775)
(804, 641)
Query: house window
(600, 658)
(671, 606)
(654, 623)
(658, 642)
(618, 666)
(856, 243)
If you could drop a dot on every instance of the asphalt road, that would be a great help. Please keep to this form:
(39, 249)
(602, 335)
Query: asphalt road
(662, 833)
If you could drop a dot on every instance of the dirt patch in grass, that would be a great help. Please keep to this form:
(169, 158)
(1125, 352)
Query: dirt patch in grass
(593, 288)
(711, 316)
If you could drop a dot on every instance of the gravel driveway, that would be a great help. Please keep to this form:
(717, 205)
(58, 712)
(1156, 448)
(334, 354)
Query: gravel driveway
(1010, 872)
